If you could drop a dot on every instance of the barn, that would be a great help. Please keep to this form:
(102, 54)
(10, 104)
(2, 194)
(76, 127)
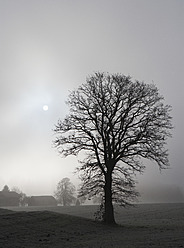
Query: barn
(46, 200)
(9, 198)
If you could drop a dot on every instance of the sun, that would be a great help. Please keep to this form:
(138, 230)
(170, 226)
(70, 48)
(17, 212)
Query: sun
(45, 107)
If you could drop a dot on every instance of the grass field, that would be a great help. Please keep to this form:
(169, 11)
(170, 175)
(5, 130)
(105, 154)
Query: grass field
(148, 225)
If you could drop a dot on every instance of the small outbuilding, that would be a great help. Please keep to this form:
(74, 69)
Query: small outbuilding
(46, 200)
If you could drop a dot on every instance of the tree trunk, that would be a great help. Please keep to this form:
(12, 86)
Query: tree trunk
(109, 210)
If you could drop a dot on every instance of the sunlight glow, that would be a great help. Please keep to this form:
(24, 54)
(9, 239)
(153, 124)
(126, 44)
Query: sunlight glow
(45, 107)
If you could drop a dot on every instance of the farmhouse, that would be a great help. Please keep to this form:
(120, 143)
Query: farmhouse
(46, 200)
(9, 198)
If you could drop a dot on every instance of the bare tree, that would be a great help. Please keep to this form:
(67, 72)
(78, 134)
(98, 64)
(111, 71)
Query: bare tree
(23, 198)
(65, 192)
(116, 124)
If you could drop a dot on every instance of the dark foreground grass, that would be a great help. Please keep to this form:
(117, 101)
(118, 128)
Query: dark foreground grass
(145, 227)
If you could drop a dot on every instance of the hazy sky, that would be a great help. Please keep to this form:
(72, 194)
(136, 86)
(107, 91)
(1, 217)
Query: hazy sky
(48, 47)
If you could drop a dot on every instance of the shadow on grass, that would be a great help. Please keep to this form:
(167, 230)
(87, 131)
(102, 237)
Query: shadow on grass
(54, 230)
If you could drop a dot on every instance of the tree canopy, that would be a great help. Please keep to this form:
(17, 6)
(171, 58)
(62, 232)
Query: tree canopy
(116, 124)
(65, 192)
(6, 189)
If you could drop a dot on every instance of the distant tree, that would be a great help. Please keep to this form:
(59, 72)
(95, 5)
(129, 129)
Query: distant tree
(82, 199)
(116, 124)
(65, 192)
(23, 197)
(6, 189)
(98, 199)
(77, 202)
(16, 189)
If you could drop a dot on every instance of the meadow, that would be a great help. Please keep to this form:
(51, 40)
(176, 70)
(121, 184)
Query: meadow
(146, 225)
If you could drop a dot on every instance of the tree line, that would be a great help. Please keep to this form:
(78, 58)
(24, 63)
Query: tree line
(65, 194)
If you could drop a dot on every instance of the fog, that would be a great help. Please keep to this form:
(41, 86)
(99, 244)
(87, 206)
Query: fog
(49, 47)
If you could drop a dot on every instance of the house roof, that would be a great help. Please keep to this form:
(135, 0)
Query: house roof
(9, 194)
(43, 197)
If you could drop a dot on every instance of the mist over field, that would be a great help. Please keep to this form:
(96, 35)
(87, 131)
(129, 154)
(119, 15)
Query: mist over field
(161, 194)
